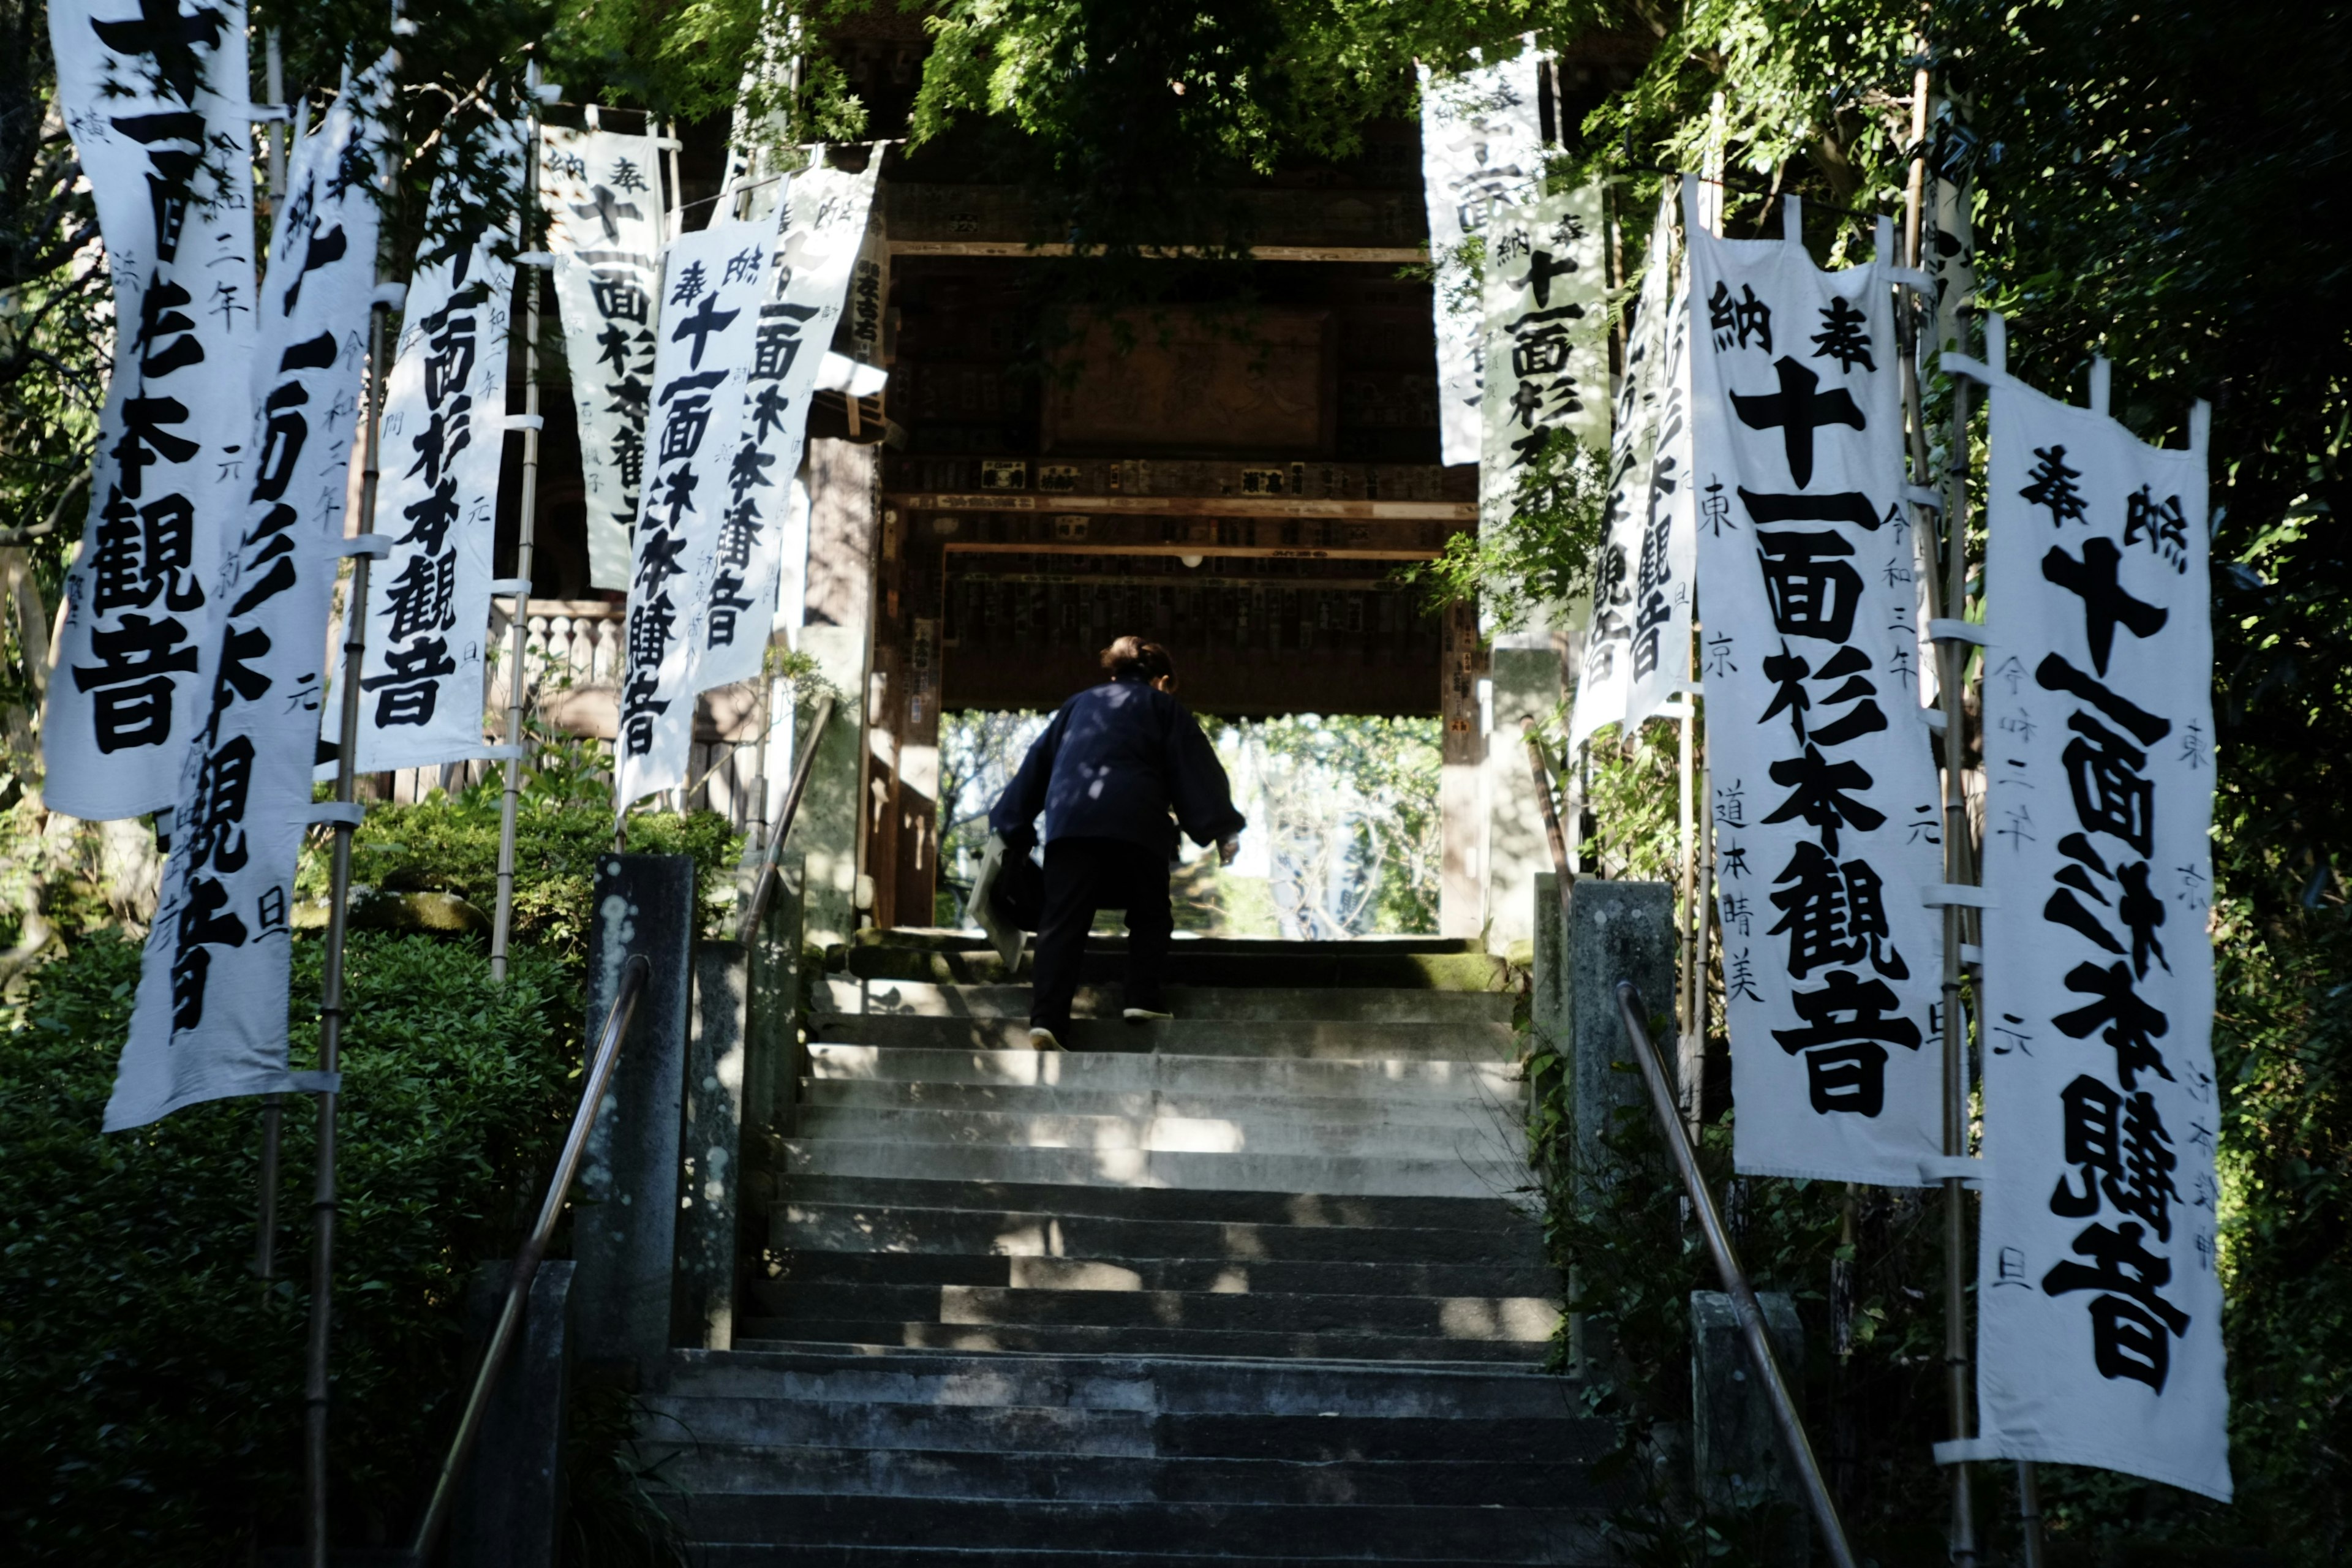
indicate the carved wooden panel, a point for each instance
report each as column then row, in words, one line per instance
column 1182, row 380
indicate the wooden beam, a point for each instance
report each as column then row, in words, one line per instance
column 1252, row 553
column 1340, row 223
column 1187, row 580
column 1017, row 251
column 1192, row 506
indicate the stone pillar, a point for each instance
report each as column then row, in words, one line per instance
column 773, row 1066
column 1616, row 931
column 1527, row 685
column 1548, row 998
column 1737, row 1460
column 625, row 1231
column 1461, row 746
column 844, row 483
column 509, row 1505
column 709, row 1206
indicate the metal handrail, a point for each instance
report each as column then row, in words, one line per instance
column 1735, row 1278
column 764, row 880
column 634, row 975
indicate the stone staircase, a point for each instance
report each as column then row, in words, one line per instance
column 1256, row 1286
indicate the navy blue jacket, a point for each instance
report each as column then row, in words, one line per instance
column 1115, row 761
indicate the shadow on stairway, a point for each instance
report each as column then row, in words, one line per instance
column 1260, row 1285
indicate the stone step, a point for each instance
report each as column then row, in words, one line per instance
column 1489, row 1239
column 962, row 938
column 796, row 1376
column 1383, row 1530
column 1027, row 1112
column 1407, row 971
column 737, row 1554
column 1032, row 1116
column 1490, row 1171
column 1200, row 1075
column 1321, row 1438
column 1484, row 1214
column 1096, row 1339
column 850, row 994
column 827, row 1471
column 1321, row 1039
column 885, row 1427
column 1355, row 1128
column 1520, row 1319
column 1123, row 1271
column 1492, row 1081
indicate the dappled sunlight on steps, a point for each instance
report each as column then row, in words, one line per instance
column 1260, row 1285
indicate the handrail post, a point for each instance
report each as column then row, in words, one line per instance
column 756, row 903
column 526, row 1262
column 1735, row 1278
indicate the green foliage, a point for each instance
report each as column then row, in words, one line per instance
column 2145, row 191
column 1128, row 112
column 1541, row 559
column 2282, row 1042
column 150, row 1389
column 1617, row 1230
column 1633, row 791
column 564, row 824
column 1349, row 810
column 979, row 752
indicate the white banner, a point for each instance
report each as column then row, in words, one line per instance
column 422, row 683
column 1547, row 339
column 1665, row 569
column 1951, row 246
column 601, row 193
column 1481, row 148
column 157, row 105
column 211, row 1016
column 824, row 224
column 1604, row 673
column 1824, row 793
column 712, row 283
column 2099, row 1309
column 869, row 286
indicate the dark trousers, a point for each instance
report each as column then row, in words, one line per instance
column 1082, row 876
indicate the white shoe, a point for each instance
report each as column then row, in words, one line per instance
column 1044, row 1040
column 1144, row 1015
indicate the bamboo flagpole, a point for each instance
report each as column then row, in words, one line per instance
column 1945, row 595
column 1948, row 601
column 1951, row 655
column 344, row 813
column 273, row 1106
column 529, row 266
column 1689, row 1041
column 1702, row 936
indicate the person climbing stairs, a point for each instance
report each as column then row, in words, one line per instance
column 1261, row 1283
